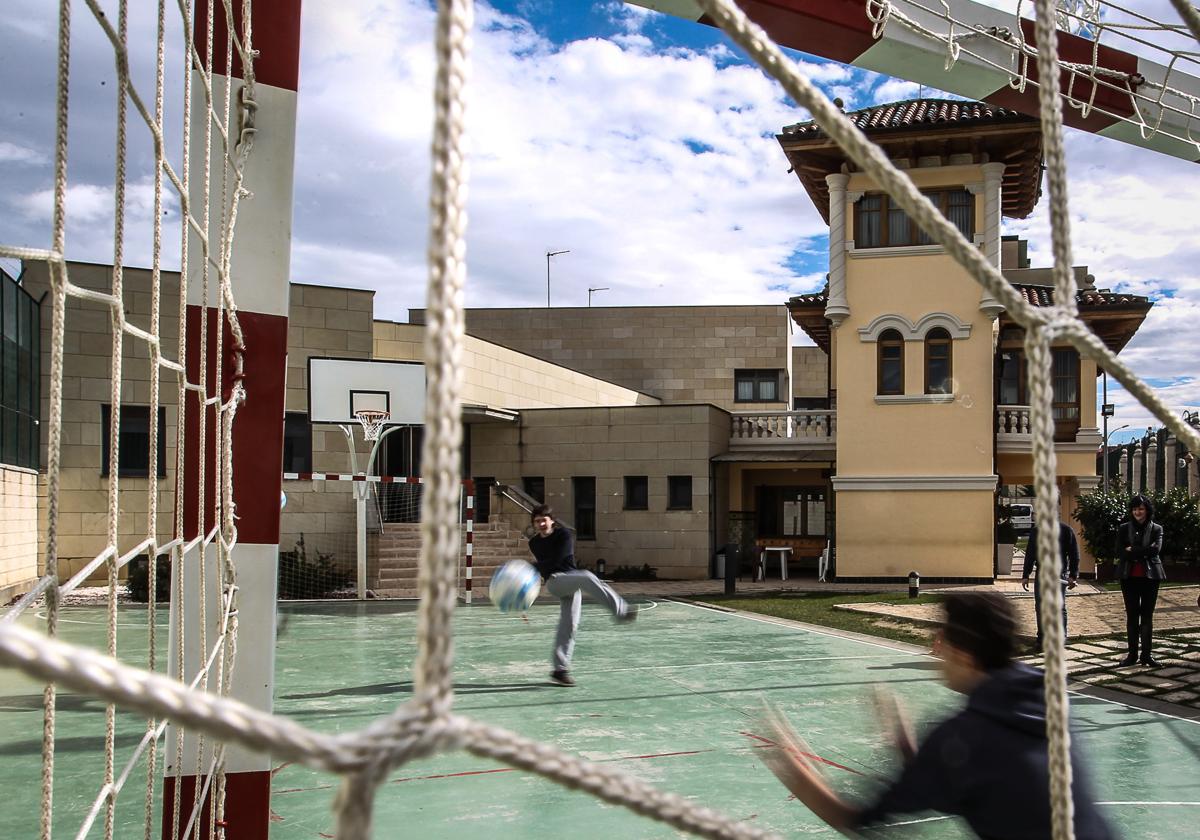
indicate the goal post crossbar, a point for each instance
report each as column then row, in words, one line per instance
column 977, row 51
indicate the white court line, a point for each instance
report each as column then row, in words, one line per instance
column 1141, row 802
column 745, row 662
column 819, row 632
column 806, row 629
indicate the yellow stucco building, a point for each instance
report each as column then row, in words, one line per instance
column 927, row 374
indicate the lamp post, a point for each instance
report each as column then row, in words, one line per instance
column 1105, row 454
column 595, row 289
column 550, row 254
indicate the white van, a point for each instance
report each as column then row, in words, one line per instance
column 1021, row 516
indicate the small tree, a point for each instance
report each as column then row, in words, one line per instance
column 1179, row 515
column 1100, row 515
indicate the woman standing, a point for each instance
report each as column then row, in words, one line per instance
column 1139, row 542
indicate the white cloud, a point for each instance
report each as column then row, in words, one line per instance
column 14, row 153
column 658, row 170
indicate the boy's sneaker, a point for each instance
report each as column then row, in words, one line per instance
column 561, row 678
column 629, row 616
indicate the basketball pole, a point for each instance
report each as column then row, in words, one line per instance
column 259, row 270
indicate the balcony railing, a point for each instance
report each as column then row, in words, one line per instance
column 1012, row 422
column 784, row 428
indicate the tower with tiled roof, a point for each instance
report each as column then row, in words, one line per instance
column 920, row 356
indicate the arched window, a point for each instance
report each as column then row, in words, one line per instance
column 890, row 354
column 939, row 362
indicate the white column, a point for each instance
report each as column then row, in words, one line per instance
column 1123, row 468
column 1135, row 480
column 1169, row 467
column 837, row 309
column 1151, row 464
column 993, row 174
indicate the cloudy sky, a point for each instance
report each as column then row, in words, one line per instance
column 641, row 143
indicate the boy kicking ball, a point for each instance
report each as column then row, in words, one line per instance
column 553, row 549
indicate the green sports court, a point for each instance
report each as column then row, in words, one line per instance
column 674, row 699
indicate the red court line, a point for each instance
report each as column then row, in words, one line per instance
column 494, row 770
column 763, row 742
column 767, row 742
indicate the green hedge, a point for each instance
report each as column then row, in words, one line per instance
column 1100, row 515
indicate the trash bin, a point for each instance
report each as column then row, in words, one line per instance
column 733, row 555
column 720, row 563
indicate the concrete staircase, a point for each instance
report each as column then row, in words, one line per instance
column 392, row 557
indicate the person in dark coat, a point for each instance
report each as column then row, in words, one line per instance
column 1140, row 570
column 1068, row 549
column 987, row 764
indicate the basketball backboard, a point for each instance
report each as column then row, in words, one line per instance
column 337, row 388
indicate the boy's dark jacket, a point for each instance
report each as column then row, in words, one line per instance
column 988, row 764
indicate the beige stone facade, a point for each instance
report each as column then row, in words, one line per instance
column 676, row 353
column 322, row 322
column 494, row 375
column 608, row 444
column 810, row 373
column 18, row 531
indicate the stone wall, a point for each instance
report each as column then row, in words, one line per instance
column 609, row 444
column 810, row 372
column 676, row 353
column 502, row 378
column 18, row 532
column 323, row 321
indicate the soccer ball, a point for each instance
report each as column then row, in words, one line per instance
column 515, row 586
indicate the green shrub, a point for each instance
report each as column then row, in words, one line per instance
column 646, row 572
column 1100, row 514
column 302, row 576
column 138, row 580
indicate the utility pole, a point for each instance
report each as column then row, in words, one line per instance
column 550, row 254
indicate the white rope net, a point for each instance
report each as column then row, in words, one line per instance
column 228, row 126
column 1158, row 106
column 427, row 724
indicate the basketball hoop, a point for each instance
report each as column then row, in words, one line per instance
column 372, row 422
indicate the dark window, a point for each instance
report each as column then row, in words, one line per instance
column 297, row 443
column 535, row 487
column 1012, row 380
column 756, row 386
column 890, row 350
column 1065, row 383
column 20, row 375
column 791, row 511
column 810, row 403
column 637, row 492
column 133, row 452
column 939, row 362
column 679, row 492
column 585, row 507
column 879, row 223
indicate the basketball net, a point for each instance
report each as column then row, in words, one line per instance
column 372, row 422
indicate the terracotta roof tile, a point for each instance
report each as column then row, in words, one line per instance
column 913, row 113
column 1044, row 296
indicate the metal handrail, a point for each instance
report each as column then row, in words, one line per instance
column 527, row 503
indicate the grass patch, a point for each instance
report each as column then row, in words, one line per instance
column 815, row 608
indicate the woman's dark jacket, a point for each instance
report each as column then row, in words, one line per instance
column 1145, row 544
